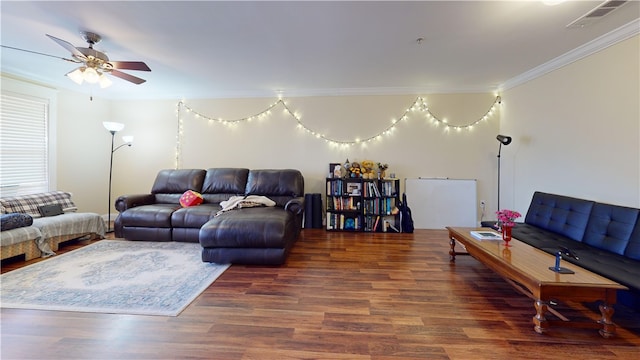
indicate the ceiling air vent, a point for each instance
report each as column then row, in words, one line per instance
column 596, row 14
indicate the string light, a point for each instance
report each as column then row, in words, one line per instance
column 419, row 104
column 179, row 135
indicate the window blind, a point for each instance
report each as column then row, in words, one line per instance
column 24, row 144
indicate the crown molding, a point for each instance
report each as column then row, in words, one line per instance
column 326, row 92
column 26, row 80
column 622, row 33
column 382, row 91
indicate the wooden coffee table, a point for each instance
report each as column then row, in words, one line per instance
column 527, row 269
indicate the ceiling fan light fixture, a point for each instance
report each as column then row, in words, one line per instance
column 76, row 75
column 104, row 81
column 90, row 75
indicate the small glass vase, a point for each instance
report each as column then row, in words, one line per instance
column 506, row 234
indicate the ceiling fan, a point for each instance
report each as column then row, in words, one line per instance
column 95, row 64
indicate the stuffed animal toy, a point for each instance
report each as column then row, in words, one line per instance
column 345, row 169
column 355, row 169
column 367, row 169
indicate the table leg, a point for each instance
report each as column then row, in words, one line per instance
column 608, row 327
column 452, row 252
column 539, row 321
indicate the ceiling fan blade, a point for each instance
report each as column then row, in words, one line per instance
column 130, row 65
column 39, row 53
column 67, row 45
column 124, row 76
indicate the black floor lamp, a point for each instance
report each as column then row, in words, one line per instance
column 113, row 128
column 504, row 140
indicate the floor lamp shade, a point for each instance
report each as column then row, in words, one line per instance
column 504, row 139
column 113, row 127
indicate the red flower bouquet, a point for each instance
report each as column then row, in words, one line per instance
column 507, row 217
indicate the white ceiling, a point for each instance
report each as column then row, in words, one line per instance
column 208, row 49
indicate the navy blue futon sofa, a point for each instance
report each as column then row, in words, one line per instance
column 605, row 238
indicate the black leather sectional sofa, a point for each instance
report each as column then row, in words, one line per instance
column 251, row 235
column 605, row 238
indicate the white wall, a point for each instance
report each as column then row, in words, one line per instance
column 576, row 131
column 416, row 148
column 83, row 147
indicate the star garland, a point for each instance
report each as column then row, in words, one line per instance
column 418, row 105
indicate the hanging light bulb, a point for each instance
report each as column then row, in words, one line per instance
column 76, row 75
column 90, row 75
column 104, row 81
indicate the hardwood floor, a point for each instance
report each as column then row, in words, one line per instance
column 339, row 296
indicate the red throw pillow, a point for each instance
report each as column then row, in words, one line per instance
column 190, row 198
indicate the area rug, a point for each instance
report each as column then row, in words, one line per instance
column 113, row 276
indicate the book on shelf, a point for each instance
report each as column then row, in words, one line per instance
column 375, row 225
column 335, row 187
column 337, row 221
column 372, row 189
column 486, row 235
column 388, row 188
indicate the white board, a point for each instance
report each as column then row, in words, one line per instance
column 438, row 202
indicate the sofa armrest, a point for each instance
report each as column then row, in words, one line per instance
column 295, row 205
column 125, row 202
